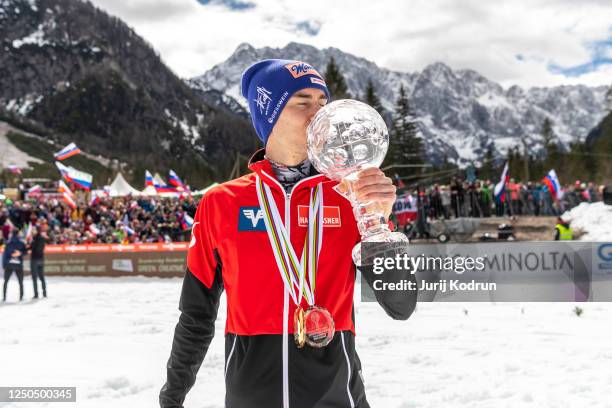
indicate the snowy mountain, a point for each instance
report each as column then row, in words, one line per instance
column 460, row 112
column 73, row 73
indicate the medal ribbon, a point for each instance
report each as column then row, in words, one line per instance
column 294, row 271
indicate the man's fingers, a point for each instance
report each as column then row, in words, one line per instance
column 370, row 190
column 369, row 172
column 370, row 180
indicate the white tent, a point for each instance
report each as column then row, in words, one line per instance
column 119, row 187
column 158, row 180
column 150, row 191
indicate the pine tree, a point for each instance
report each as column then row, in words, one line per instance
column 335, row 81
column 548, row 135
column 487, row 168
column 406, row 145
column 550, row 144
column 372, row 99
column 608, row 99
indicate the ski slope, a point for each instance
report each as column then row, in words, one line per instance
column 111, row 337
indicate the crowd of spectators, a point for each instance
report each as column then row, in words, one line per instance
column 110, row 220
column 477, row 199
column 145, row 219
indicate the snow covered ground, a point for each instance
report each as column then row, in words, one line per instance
column 11, row 154
column 111, row 337
column 595, row 219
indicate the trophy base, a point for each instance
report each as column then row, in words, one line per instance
column 381, row 238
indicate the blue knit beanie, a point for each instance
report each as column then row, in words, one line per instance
column 267, row 85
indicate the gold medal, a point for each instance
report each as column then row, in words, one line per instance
column 319, row 326
column 299, row 332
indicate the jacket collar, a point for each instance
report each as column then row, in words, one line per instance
column 262, row 167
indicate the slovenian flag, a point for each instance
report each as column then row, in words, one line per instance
column 67, row 152
column 175, row 180
column 500, row 188
column 69, row 200
column 67, row 194
column 187, row 222
column 63, row 187
column 72, row 175
column 35, row 189
column 165, row 188
column 148, row 179
column 552, row 182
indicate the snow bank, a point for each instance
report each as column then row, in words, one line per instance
column 595, row 219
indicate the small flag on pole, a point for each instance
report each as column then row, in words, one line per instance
column 165, row 188
column 63, row 187
column 552, row 182
column 35, row 189
column 500, row 188
column 148, row 178
column 72, row 175
column 175, row 180
column 187, row 222
column 67, row 152
column 69, row 200
column 67, row 194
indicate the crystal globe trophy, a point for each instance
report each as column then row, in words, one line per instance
column 345, row 137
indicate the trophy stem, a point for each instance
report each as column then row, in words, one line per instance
column 370, row 216
column 370, row 219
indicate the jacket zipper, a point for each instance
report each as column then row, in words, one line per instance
column 286, row 293
column 286, row 312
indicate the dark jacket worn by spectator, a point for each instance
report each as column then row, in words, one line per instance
column 14, row 244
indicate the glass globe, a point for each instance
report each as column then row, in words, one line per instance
column 343, row 138
column 346, row 136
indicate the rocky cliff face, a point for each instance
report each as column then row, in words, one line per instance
column 460, row 112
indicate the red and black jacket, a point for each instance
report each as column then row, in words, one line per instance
column 230, row 250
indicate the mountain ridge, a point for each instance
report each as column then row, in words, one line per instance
column 461, row 113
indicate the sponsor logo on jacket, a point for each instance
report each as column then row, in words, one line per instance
column 331, row 216
column 251, row 219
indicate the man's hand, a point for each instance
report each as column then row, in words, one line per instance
column 373, row 185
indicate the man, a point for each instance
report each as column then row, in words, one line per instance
column 231, row 248
column 514, row 197
column 12, row 261
column 37, row 261
column 563, row 231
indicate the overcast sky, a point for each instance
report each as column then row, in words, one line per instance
column 528, row 43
